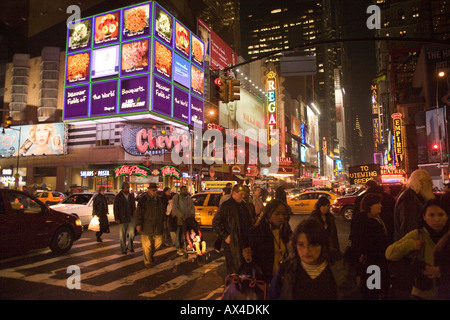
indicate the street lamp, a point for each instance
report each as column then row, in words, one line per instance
column 440, row 74
column 16, row 176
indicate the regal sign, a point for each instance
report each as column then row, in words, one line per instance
column 128, row 170
column 272, row 107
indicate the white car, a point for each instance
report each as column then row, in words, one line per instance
column 81, row 204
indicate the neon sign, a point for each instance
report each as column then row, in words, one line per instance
column 272, row 106
column 170, row 171
column 398, row 137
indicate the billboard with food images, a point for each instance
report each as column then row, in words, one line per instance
column 134, row 60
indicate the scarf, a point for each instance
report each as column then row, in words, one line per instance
column 314, row 270
column 435, row 235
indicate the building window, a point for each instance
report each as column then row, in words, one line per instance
column 105, row 134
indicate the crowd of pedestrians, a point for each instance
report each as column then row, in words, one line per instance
column 399, row 247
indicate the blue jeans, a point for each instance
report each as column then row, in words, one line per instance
column 126, row 228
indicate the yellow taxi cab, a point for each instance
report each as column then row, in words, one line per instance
column 50, row 197
column 304, row 202
column 206, row 204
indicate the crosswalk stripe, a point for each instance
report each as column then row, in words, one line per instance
column 59, row 276
column 60, row 258
column 183, row 279
column 217, row 292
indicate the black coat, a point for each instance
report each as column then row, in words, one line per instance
column 387, row 209
column 262, row 244
column 335, row 250
column 233, row 219
column 123, row 208
column 100, row 209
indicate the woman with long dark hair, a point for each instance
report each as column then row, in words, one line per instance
column 322, row 214
column 270, row 237
column 421, row 243
column 306, row 274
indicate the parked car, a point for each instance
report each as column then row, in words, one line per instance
column 206, row 205
column 304, row 202
column 344, row 205
column 81, row 204
column 50, row 197
column 26, row 223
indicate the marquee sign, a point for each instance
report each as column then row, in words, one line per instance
column 398, row 136
column 272, row 107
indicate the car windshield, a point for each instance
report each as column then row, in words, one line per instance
column 78, row 199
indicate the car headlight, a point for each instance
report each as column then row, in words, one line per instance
column 78, row 222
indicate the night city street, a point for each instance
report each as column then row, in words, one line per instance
column 310, row 136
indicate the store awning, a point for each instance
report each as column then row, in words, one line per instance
column 239, row 176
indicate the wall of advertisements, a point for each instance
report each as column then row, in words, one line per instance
column 134, row 60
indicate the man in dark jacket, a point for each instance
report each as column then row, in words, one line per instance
column 124, row 206
column 149, row 219
column 233, row 222
column 100, row 209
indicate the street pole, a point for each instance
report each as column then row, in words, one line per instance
column 439, row 75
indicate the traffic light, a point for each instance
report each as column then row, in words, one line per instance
column 7, row 122
column 234, row 90
column 435, row 149
column 223, row 89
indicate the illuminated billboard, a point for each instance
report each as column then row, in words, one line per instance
column 134, row 60
column 40, row 139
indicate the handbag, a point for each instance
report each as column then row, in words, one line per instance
column 94, row 225
column 244, row 284
column 420, row 281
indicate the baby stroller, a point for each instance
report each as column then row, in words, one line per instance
column 194, row 241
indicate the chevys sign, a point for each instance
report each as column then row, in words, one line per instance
column 141, row 141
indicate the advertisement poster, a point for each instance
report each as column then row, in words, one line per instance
column 35, row 140
column 180, row 104
column 76, row 102
column 163, row 25
column 136, row 21
column 135, row 57
column 106, row 28
column 104, row 98
column 181, row 70
column 434, row 123
column 78, row 68
column 197, row 108
column 197, row 81
column 182, row 39
column 221, row 54
column 134, row 95
column 80, row 35
column 105, row 62
column 198, row 51
column 162, row 96
column 246, row 113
